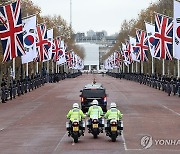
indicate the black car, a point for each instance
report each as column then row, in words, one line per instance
column 91, row 92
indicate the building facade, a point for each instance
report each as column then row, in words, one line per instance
column 96, row 45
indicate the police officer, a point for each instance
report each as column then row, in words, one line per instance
column 3, row 89
column 76, row 114
column 95, row 111
column 113, row 113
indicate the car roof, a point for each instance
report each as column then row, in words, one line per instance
column 92, row 86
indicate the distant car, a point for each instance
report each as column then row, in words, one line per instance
column 91, row 92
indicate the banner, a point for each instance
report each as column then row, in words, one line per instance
column 150, row 29
column 50, row 39
column 11, row 31
column 133, row 44
column 62, row 57
column 163, row 36
column 176, row 31
column 29, row 39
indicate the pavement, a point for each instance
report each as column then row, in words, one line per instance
column 35, row 122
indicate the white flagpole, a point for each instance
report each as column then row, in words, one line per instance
column 37, row 67
column 142, row 67
column 163, row 73
column 56, row 67
column 48, row 66
column 52, row 67
column 132, row 71
column 152, row 65
column 178, row 68
column 27, row 71
column 14, row 62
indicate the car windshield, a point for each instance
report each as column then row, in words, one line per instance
column 93, row 93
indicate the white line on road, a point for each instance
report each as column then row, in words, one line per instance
column 125, row 147
column 60, row 142
column 171, row 110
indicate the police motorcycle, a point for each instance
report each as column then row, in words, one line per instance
column 75, row 129
column 113, row 128
column 95, row 126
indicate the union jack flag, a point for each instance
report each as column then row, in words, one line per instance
column 141, row 47
column 163, row 37
column 42, row 43
column 11, row 31
column 56, row 49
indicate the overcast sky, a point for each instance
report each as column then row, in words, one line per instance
column 94, row 15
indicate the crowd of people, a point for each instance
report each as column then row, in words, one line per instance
column 11, row 89
column 171, row 85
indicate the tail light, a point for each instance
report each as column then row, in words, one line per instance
column 113, row 123
column 75, row 123
column 94, row 120
column 105, row 99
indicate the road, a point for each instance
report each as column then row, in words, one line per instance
column 35, row 122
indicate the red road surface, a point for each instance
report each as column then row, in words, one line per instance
column 35, row 122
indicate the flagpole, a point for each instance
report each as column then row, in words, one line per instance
column 142, row 67
column 27, row 71
column 37, row 68
column 52, row 67
column 178, row 68
column 48, row 66
column 152, row 65
column 14, row 74
column 132, row 71
column 163, row 73
column 56, row 67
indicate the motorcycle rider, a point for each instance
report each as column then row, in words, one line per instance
column 113, row 113
column 95, row 111
column 76, row 114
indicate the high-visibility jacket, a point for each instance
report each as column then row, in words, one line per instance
column 113, row 113
column 95, row 111
column 75, row 114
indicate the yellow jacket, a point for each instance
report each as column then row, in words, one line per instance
column 75, row 114
column 113, row 113
column 95, row 111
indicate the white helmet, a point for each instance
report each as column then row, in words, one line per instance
column 94, row 102
column 113, row 105
column 75, row 105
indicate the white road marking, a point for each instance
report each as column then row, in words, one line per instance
column 171, row 110
column 125, row 147
column 60, row 142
